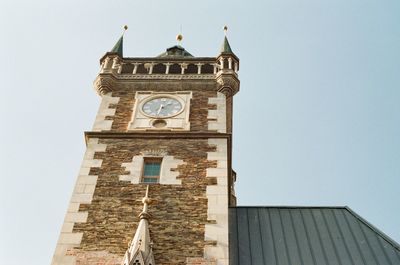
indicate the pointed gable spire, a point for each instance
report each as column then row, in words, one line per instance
column 226, row 48
column 140, row 251
column 118, row 47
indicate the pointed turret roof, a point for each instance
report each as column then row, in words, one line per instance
column 226, row 48
column 118, row 47
column 140, row 250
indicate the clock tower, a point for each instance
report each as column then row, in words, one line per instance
column 156, row 180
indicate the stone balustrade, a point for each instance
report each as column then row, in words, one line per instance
column 117, row 65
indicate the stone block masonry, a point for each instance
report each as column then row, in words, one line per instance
column 106, row 222
column 189, row 210
column 217, row 196
column 82, row 194
column 168, row 174
column 217, row 117
column 199, row 104
column 106, row 110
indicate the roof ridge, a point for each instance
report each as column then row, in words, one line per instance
column 387, row 238
column 290, row 206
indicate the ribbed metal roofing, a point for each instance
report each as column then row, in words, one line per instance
column 306, row 236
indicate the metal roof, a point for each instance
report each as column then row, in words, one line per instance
column 118, row 47
column 306, row 236
column 226, row 48
column 175, row 51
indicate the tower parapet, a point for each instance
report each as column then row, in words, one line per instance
column 174, row 64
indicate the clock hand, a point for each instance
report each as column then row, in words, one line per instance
column 160, row 108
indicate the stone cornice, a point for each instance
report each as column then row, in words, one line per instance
column 156, row 135
column 232, row 55
column 169, row 59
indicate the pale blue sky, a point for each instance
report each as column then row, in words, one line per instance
column 317, row 120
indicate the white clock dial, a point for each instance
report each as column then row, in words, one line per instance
column 162, row 107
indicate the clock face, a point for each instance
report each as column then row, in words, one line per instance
column 162, row 107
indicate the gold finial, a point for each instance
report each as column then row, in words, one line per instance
column 225, row 29
column 146, row 199
column 125, row 29
column 179, row 38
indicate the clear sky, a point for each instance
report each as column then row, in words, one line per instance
column 317, row 120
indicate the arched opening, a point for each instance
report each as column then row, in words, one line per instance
column 207, row 69
column 175, row 69
column 127, row 68
column 159, row 69
column 141, row 69
column 191, row 69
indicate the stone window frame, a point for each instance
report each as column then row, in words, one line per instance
column 168, row 176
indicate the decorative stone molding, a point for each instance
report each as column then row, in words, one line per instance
column 104, row 83
column 83, row 194
column 167, row 76
column 149, row 67
column 178, row 122
column 199, row 65
column 217, row 196
column 101, row 124
column 228, row 82
column 154, row 152
column 217, row 117
column 167, row 175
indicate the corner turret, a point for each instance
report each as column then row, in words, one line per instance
column 228, row 68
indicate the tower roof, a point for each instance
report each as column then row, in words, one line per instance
column 175, row 52
column 118, row 47
column 226, row 48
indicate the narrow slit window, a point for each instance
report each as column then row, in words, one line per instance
column 151, row 170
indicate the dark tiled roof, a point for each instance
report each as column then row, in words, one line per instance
column 175, row 51
column 306, row 236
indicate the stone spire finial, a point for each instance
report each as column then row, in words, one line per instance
column 146, row 200
column 140, row 250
